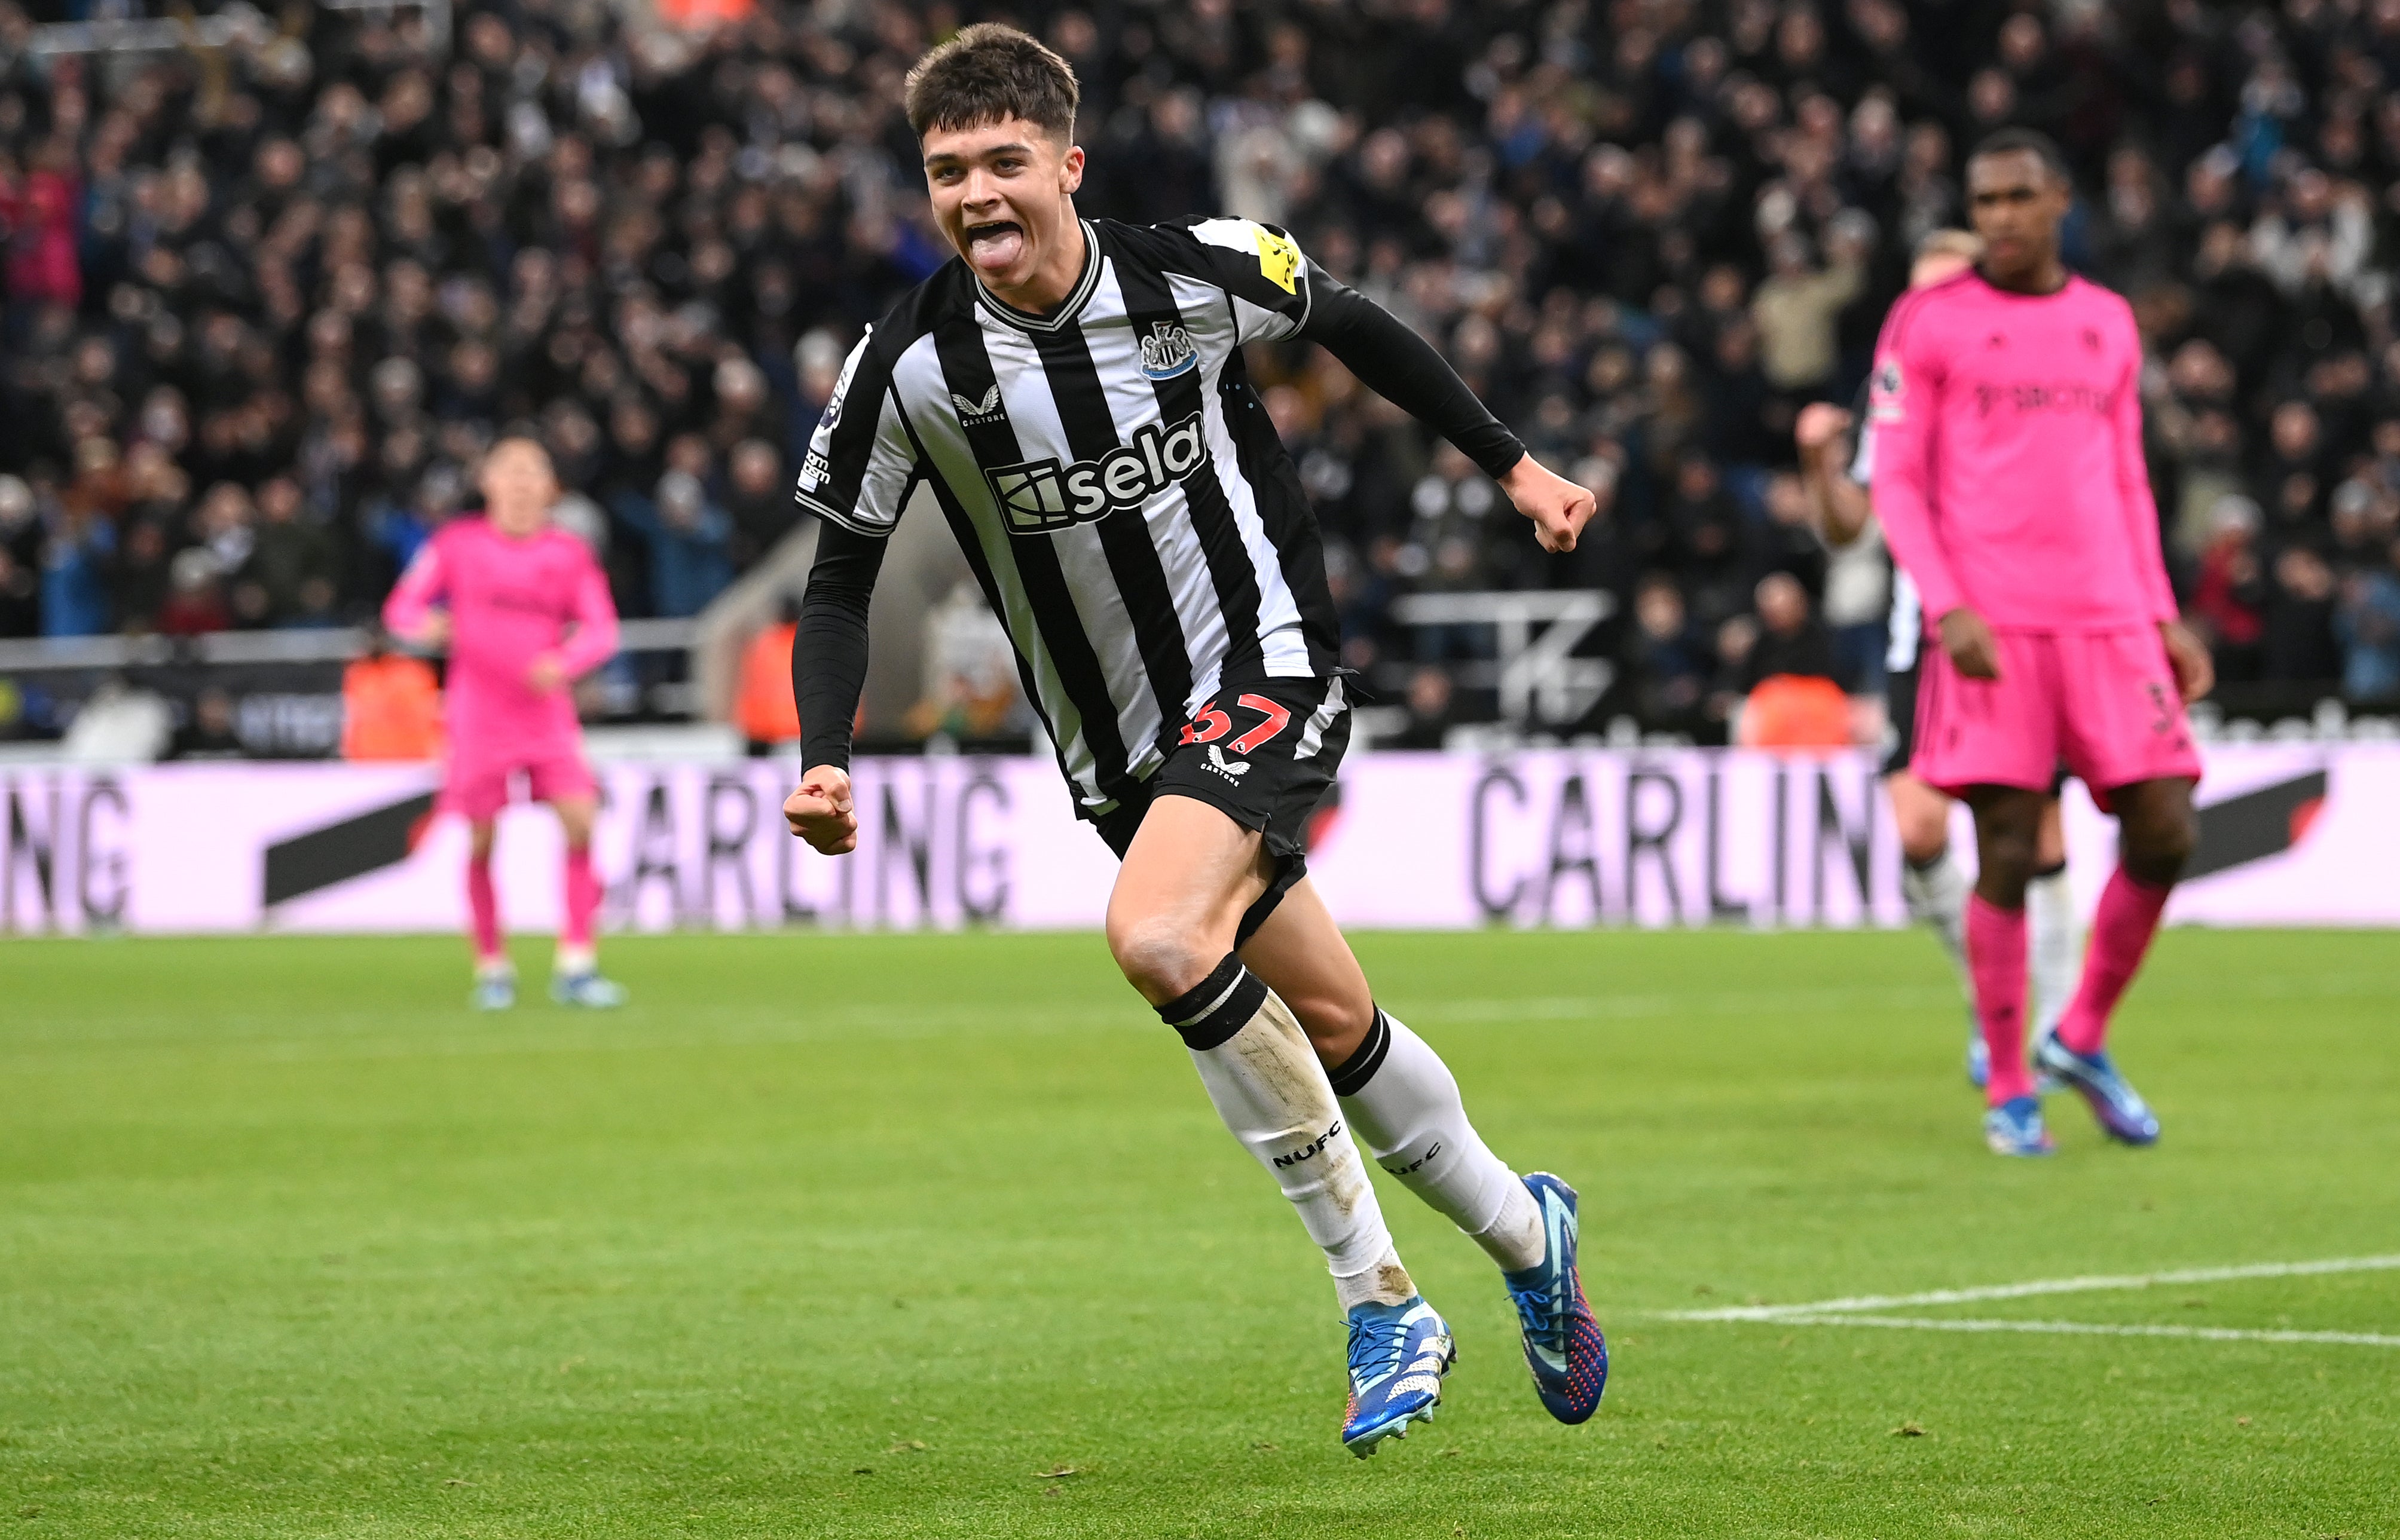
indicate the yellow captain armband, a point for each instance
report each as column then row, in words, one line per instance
column 1278, row 259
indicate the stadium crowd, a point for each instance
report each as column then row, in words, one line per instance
column 264, row 304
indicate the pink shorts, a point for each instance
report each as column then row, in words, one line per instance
column 476, row 786
column 2103, row 702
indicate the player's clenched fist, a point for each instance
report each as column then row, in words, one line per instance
column 821, row 813
column 1558, row 508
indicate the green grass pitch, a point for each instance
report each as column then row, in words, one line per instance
column 892, row 1235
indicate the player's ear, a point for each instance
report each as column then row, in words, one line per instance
column 1071, row 169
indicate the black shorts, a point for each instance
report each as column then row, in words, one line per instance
column 1899, row 705
column 1263, row 754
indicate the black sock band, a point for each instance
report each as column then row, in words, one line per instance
column 1360, row 1067
column 1217, row 1007
column 2051, row 870
column 1929, row 862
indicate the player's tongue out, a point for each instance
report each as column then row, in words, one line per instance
column 994, row 248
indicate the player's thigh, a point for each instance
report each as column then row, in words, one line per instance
column 1187, row 875
column 1989, row 732
column 475, row 786
column 1304, row 959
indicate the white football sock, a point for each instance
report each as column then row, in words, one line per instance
column 1267, row 1084
column 1936, row 893
column 2057, row 953
column 1404, row 1103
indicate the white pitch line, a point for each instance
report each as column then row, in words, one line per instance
column 2090, row 1329
column 2043, row 1286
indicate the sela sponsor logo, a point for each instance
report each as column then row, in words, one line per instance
column 1036, row 496
column 2041, row 396
column 1167, row 352
column 975, row 413
column 1232, row 769
column 1311, row 1150
column 1415, row 1165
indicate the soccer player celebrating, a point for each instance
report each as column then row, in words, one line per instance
column 2010, row 482
column 1072, row 393
column 1931, row 879
column 525, row 611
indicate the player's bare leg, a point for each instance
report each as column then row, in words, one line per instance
column 1189, row 875
column 2157, row 830
column 496, row 977
column 1404, row 1104
column 575, row 973
column 2008, row 829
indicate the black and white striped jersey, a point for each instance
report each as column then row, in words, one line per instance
column 1109, row 474
column 1905, row 628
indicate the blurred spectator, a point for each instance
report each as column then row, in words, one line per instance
column 1790, row 639
column 2229, row 600
column 1796, row 305
column 1667, row 664
column 2298, row 642
column 210, row 732
column 688, row 537
column 21, row 560
column 2367, row 625
column 1430, row 702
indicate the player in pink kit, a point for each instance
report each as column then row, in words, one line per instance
column 2011, row 484
column 526, row 612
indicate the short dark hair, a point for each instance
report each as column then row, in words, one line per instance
column 2031, row 141
column 988, row 74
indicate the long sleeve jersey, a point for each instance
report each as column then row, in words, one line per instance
column 511, row 602
column 2008, row 475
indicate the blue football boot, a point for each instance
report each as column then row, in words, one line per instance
column 2123, row 1115
column 587, row 991
column 1563, row 1345
column 1398, row 1354
column 494, row 991
column 2014, row 1127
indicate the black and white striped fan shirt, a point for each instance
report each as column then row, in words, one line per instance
column 1111, row 478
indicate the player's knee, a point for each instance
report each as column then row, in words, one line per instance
column 1158, row 956
column 1335, row 1022
column 2158, row 847
column 1924, row 833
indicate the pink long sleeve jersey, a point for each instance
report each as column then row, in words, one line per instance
column 511, row 602
column 2009, row 474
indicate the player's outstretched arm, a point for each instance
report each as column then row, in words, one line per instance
column 1409, row 371
column 828, row 672
column 1839, row 504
